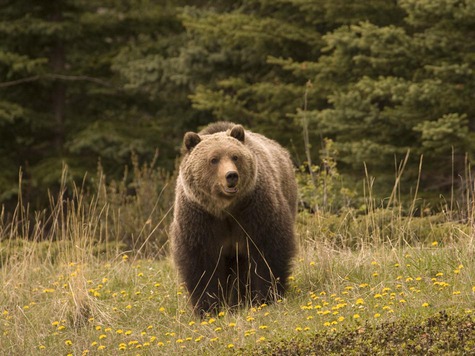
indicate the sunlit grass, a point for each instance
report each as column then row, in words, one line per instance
column 121, row 304
column 72, row 288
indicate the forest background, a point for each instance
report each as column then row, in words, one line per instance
column 353, row 89
column 375, row 101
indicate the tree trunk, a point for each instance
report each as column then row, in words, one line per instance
column 58, row 63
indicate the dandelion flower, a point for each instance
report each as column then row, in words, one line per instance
column 249, row 332
column 425, row 305
column 356, row 316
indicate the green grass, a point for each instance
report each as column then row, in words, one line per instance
column 82, row 301
column 382, row 282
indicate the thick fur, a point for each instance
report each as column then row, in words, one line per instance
column 233, row 243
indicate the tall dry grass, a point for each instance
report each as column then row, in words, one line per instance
column 78, row 279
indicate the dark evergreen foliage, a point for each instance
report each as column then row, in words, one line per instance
column 87, row 80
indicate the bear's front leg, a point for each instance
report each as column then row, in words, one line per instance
column 202, row 273
column 267, row 279
column 271, row 248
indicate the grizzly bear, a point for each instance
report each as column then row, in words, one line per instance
column 232, row 235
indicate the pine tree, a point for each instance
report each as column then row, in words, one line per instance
column 263, row 63
column 75, row 87
column 230, row 52
column 395, row 89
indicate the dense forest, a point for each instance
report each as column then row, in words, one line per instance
column 364, row 87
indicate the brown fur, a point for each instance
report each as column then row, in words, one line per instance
column 233, row 228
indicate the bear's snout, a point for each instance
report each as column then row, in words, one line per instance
column 232, row 178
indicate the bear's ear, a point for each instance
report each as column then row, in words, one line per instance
column 237, row 132
column 191, row 139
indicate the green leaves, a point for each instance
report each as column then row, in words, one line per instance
column 451, row 130
column 9, row 112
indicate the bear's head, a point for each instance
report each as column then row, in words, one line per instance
column 218, row 169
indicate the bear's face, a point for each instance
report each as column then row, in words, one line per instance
column 217, row 169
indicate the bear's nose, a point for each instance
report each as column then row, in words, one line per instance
column 232, row 178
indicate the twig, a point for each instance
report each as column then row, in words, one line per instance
column 58, row 77
column 306, row 136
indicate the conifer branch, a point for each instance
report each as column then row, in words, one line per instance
column 19, row 81
column 57, row 77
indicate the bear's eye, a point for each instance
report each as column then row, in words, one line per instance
column 234, row 158
column 214, row 160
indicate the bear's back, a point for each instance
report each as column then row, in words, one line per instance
column 215, row 127
column 275, row 159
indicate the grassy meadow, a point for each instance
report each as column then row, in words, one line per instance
column 382, row 282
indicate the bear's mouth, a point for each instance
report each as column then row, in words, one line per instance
column 230, row 190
